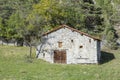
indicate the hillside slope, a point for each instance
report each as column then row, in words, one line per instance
column 16, row 65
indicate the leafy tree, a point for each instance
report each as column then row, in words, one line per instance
column 28, row 19
column 1, row 28
column 18, row 27
column 14, row 24
column 33, row 32
column 111, row 40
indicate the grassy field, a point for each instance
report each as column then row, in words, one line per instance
column 15, row 65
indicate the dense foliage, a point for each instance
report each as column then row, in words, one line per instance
column 28, row 19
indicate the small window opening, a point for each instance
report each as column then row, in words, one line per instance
column 81, row 34
column 89, row 40
column 59, row 44
column 81, row 46
column 72, row 40
column 43, row 55
column 94, row 39
column 72, row 30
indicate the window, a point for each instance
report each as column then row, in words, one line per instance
column 43, row 55
column 59, row 44
column 81, row 34
column 72, row 40
column 89, row 40
column 81, row 46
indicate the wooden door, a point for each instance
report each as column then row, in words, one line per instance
column 59, row 56
column 63, row 56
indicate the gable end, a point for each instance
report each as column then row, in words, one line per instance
column 65, row 26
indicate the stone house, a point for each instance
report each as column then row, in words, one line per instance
column 70, row 46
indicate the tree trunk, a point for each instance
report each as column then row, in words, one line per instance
column 39, row 50
column 14, row 43
column 7, row 42
column 30, row 51
column 2, row 42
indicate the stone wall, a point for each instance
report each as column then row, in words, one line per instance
column 8, row 42
column 12, row 42
column 79, row 48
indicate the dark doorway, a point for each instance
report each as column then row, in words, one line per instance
column 59, row 56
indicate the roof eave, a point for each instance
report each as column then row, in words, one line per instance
column 65, row 26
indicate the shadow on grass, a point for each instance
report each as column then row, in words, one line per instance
column 106, row 57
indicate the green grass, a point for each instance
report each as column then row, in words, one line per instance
column 15, row 65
